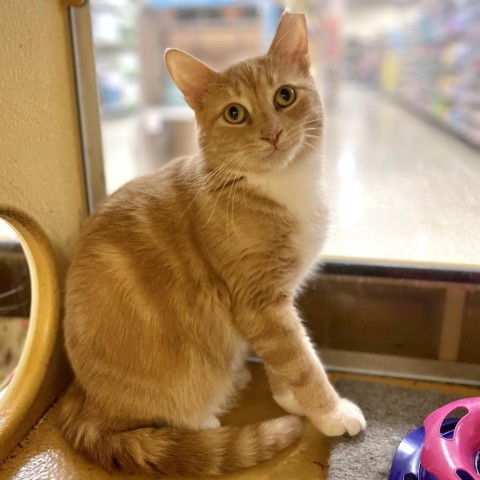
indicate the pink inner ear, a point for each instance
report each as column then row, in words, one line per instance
column 190, row 75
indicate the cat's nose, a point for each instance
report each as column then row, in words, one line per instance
column 272, row 136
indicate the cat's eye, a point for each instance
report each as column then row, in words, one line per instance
column 285, row 96
column 235, row 113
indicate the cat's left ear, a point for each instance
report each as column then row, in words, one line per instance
column 190, row 75
column 291, row 39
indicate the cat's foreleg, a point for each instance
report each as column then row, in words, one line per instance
column 277, row 335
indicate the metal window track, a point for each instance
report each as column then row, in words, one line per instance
column 401, row 367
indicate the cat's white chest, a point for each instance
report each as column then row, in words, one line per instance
column 299, row 189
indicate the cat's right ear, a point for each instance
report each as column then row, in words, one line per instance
column 291, row 39
column 189, row 74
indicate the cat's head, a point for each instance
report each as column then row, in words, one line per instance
column 260, row 114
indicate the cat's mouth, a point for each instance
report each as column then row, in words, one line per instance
column 277, row 150
column 277, row 156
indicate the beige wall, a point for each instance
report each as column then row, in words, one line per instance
column 40, row 156
column 41, row 177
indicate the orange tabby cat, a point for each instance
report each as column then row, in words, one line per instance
column 179, row 272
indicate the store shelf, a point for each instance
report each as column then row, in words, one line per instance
column 457, row 129
column 431, row 64
column 438, row 71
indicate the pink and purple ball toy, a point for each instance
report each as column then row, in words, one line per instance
column 444, row 448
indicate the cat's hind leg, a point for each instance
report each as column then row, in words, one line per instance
column 283, row 396
column 210, row 421
column 225, row 397
column 241, row 377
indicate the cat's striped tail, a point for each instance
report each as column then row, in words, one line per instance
column 167, row 451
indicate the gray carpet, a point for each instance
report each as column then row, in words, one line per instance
column 391, row 412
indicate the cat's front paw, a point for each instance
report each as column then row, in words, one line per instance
column 346, row 417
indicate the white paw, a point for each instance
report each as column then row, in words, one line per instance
column 345, row 418
column 288, row 402
column 243, row 378
column 210, row 422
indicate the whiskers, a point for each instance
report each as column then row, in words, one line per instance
column 311, row 135
column 209, row 178
column 313, row 120
column 238, row 165
column 220, row 185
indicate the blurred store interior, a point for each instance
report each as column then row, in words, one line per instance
column 400, row 81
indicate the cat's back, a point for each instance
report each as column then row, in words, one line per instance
column 138, row 231
column 159, row 190
column 150, row 202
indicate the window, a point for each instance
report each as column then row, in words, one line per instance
column 399, row 79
